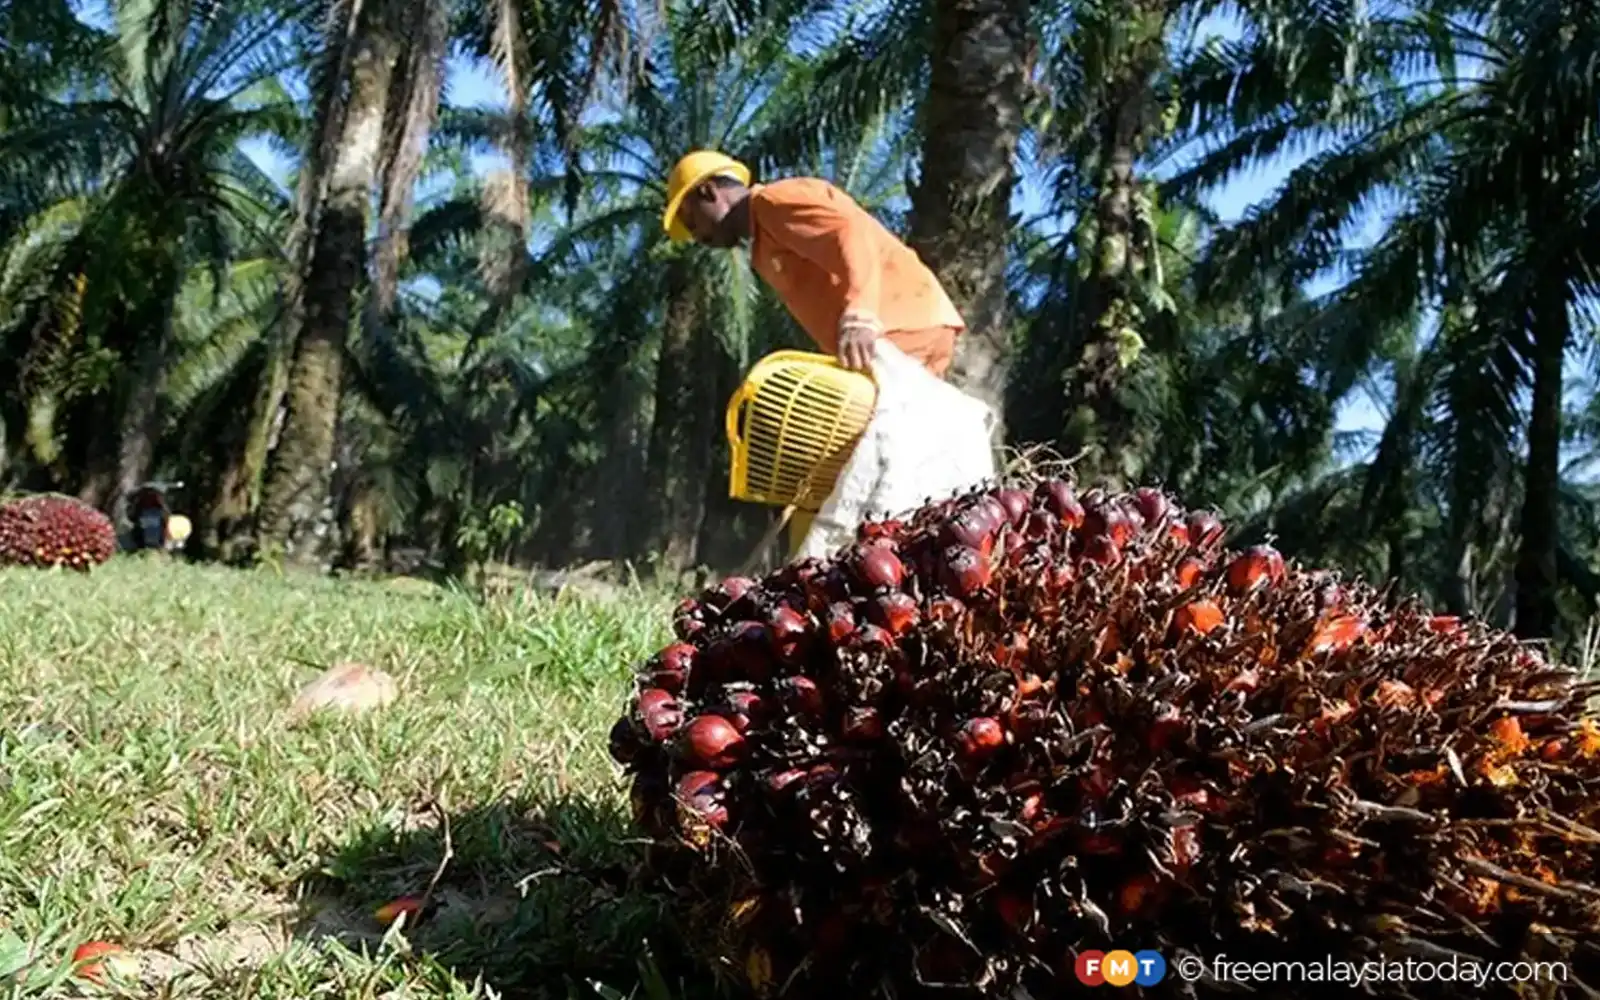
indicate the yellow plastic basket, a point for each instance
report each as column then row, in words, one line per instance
column 792, row 426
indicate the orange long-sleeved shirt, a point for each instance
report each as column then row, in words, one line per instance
column 823, row 254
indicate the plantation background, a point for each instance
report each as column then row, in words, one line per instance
column 385, row 287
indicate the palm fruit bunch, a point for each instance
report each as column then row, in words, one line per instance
column 1021, row 725
column 49, row 531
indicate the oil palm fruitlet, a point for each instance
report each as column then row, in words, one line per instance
column 1024, row 724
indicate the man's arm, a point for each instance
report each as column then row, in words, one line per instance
column 815, row 222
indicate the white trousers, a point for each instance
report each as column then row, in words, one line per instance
column 927, row 440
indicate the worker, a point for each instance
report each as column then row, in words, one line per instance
column 845, row 278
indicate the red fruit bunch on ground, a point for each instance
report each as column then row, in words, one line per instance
column 1025, row 723
column 49, row 531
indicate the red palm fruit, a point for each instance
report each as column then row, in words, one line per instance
column 787, row 631
column 1038, row 526
column 815, row 590
column 872, row 530
column 1336, row 632
column 1152, row 503
column 700, row 796
column 1060, row 501
column 408, row 906
column 841, row 622
column 965, row 573
column 1204, row 528
column 779, row 782
column 895, row 612
column 1199, row 616
column 1189, row 572
column 1257, row 566
column 1507, row 732
column 1167, row 730
column 968, row 527
column 801, row 695
column 1015, row 503
column 945, row 609
column 1444, row 624
column 872, row 637
column 729, row 591
column 670, row 667
column 980, row 737
column 879, row 569
column 92, row 958
column 660, row 713
column 712, row 741
column 1109, row 521
column 1102, row 550
column 1011, row 652
column 992, row 511
column 743, row 708
column 1123, row 522
column 688, row 619
column 805, row 570
column 862, row 724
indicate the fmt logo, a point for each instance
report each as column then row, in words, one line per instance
column 1119, row 968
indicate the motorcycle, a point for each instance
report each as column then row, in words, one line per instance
column 152, row 520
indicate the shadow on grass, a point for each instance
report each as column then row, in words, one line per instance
column 537, row 900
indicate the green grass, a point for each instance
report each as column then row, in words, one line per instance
column 154, row 793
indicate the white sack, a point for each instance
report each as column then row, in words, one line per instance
column 926, row 440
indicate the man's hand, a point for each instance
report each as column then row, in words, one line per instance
column 857, row 332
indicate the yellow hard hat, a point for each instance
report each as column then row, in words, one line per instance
column 178, row 528
column 689, row 172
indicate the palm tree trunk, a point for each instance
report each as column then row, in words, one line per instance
column 412, row 108
column 620, row 470
column 961, row 204
column 239, row 488
column 410, row 112
column 506, row 204
column 141, row 425
column 1395, row 563
column 298, row 476
column 141, row 419
column 1536, row 555
column 728, row 528
column 1101, row 426
column 669, row 525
